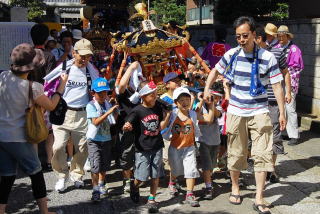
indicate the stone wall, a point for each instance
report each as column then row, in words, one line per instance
column 307, row 37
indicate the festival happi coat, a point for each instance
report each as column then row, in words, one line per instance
column 156, row 50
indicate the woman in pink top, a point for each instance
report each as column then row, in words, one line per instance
column 295, row 66
column 215, row 50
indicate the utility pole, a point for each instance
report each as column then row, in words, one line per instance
column 148, row 8
column 200, row 14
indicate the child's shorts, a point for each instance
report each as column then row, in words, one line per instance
column 223, row 140
column 148, row 164
column 126, row 144
column 208, row 156
column 183, row 162
column 99, row 155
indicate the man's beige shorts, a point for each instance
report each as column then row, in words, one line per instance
column 259, row 129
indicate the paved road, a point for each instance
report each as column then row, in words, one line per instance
column 298, row 191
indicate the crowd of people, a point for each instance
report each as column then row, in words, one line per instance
column 230, row 118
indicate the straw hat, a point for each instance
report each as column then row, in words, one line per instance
column 271, row 29
column 283, row 29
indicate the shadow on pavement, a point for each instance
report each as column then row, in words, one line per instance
column 125, row 205
column 285, row 169
column 21, row 199
column 288, row 199
column 305, row 136
column 201, row 212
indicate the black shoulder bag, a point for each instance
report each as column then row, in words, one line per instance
column 58, row 115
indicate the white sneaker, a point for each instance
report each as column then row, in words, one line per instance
column 87, row 166
column 69, row 161
column 61, row 185
column 77, row 183
column 126, row 186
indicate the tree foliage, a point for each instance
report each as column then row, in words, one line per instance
column 281, row 13
column 35, row 8
column 169, row 10
column 226, row 11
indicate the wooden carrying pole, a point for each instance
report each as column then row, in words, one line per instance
column 108, row 70
column 123, row 65
column 198, row 57
column 184, row 67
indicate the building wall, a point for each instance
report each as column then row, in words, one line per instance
column 300, row 9
column 191, row 4
column 307, row 37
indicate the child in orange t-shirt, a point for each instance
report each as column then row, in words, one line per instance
column 182, row 131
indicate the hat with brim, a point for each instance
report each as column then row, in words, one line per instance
column 25, row 58
column 85, row 52
column 283, row 29
column 77, row 34
column 84, row 47
column 100, row 84
column 179, row 91
column 271, row 29
column 170, row 76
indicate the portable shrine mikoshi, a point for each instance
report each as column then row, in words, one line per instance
column 155, row 49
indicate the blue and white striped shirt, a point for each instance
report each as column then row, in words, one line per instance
column 241, row 102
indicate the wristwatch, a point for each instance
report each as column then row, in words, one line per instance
column 60, row 95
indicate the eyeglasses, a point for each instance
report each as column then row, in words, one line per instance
column 244, row 36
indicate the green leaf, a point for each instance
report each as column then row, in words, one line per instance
column 35, row 8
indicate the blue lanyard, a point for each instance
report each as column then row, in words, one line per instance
column 229, row 71
column 256, row 87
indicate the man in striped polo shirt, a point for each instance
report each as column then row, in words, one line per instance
column 252, row 70
column 261, row 40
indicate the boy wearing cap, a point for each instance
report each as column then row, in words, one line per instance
column 172, row 82
column 100, row 117
column 182, row 131
column 147, row 120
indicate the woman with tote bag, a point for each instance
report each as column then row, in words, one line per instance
column 14, row 101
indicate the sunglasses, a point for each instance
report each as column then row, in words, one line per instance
column 244, row 36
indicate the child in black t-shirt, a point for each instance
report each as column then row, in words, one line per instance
column 125, row 140
column 147, row 120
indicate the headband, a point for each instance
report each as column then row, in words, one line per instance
column 147, row 89
column 216, row 93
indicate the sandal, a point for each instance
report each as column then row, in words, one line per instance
column 256, row 208
column 236, row 197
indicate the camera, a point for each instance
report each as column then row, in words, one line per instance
column 164, row 105
column 198, row 76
